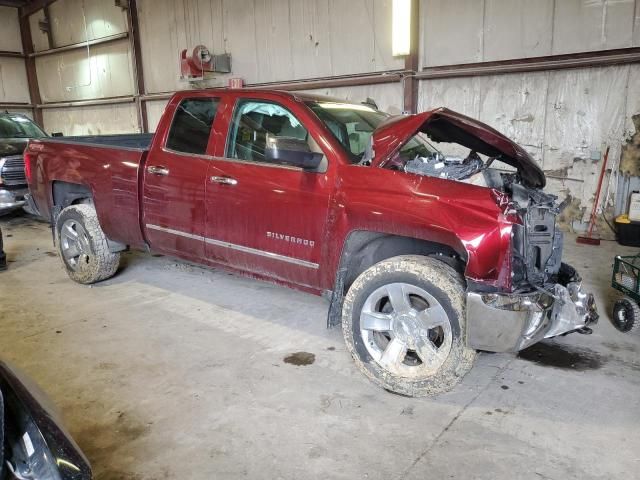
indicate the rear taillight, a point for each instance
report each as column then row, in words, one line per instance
column 27, row 166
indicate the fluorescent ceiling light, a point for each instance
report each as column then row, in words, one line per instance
column 401, row 28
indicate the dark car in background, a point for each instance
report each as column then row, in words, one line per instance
column 33, row 443
column 15, row 131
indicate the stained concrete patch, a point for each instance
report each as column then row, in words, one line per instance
column 549, row 354
column 101, row 442
column 300, row 358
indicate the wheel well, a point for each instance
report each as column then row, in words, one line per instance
column 364, row 249
column 65, row 194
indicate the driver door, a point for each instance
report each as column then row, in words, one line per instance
column 263, row 216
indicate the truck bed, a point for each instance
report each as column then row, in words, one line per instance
column 133, row 141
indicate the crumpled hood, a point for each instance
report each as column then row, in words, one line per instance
column 12, row 146
column 444, row 125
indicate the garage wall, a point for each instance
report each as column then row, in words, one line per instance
column 564, row 118
column 387, row 96
column 269, row 40
column 469, row 31
column 92, row 120
column 13, row 75
column 102, row 71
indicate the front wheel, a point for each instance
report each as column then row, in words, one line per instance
column 404, row 323
column 83, row 246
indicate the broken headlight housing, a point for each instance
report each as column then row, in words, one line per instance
column 36, row 445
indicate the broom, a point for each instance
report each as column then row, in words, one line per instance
column 589, row 239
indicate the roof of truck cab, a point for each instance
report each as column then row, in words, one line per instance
column 295, row 95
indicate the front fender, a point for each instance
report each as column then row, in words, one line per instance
column 464, row 217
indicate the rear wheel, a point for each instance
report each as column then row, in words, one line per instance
column 404, row 324
column 626, row 315
column 83, row 246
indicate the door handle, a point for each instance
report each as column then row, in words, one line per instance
column 158, row 170
column 224, row 180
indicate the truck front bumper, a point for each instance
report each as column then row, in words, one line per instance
column 510, row 322
column 11, row 199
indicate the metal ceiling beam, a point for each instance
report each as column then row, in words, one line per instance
column 89, row 103
column 12, row 3
column 6, row 54
column 29, row 8
column 333, row 82
column 77, row 46
column 599, row 58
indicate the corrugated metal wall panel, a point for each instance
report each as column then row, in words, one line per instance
column 452, row 31
column 13, row 81
column 388, row 97
column 311, row 53
column 584, row 25
column 468, row 31
column 268, row 40
column 94, row 120
column 13, row 75
column 75, row 21
column 562, row 118
column 515, row 105
column 636, row 26
column 517, row 29
column 72, row 75
column 154, row 112
column 9, row 30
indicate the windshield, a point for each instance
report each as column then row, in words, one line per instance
column 353, row 125
column 19, row 126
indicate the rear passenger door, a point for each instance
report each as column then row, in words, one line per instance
column 175, row 178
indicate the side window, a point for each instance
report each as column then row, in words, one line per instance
column 254, row 122
column 191, row 126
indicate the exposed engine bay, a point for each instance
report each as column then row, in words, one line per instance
column 537, row 242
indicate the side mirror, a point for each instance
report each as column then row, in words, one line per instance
column 57, row 134
column 291, row 151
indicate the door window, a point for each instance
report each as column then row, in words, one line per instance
column 254, row 122
column 191, row 126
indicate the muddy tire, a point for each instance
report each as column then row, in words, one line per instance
column 626, row 316
column 403, row 320
column 82, row 245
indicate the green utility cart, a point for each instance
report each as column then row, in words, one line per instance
column 626, row 279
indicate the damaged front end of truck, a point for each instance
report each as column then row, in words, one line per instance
column 538, row 295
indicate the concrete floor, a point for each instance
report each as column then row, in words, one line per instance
column 170, row 370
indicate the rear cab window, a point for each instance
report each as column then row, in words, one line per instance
column 191, row 125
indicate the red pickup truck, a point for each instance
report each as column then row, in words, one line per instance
column 425, row 256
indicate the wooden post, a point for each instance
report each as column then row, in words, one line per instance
column 30, row 64
column 412, row 62
column 134, row 38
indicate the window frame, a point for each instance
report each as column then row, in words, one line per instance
column 166, row 148
column 236, row 104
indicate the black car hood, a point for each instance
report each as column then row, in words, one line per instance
column 12, row 146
